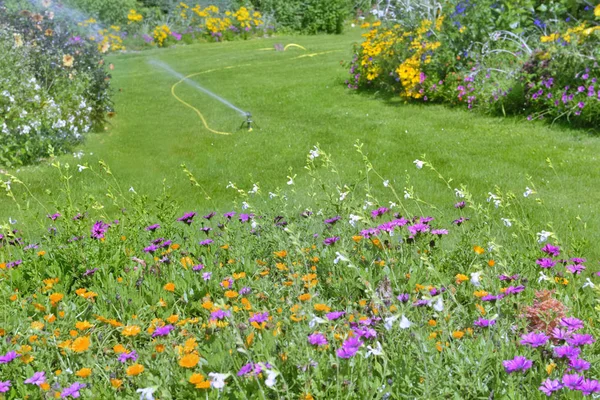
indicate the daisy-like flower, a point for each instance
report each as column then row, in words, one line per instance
column 68, row 60
column 519, row 363
column 317, row 339
column 349, row 348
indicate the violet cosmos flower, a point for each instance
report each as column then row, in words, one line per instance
column 331, row 240
column 163, row 330
column 209, row 215
column 151, row 249
column 589, row 386
column 403, row 297
column 99, row 230
column 580, row 339
column 245, row 217
column 187, row 218
column 229, row 214
column 578, row 260
column 572, row 323
column 72, row 391
column 568, row 352
column 206, row 242
column 534, row 339
column 519, row 363
column 152, row 228
column 332, row 316
column 8, row 357
column 550, row 386
column 349, row 348
column 575, row 268
column 367, row 233
column 561, row 334
column 317, row 339
column 491, row 297
column 553, row 251
column 333, row 220
column 54, row 217
column 259, row 317
column 39, row 378
column 124, row 357
column 508, row 278
column 545, row 262
column 220, row 314
column 418, row 228
column 572, row 381
column 484, row 323
column 366, row 332
column 578, row 364
column 4, row 386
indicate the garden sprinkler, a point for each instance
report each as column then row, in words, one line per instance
column 248, row 122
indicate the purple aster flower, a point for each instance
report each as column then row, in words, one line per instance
column 553, row 251
column 331, row 240
column 39, row 378
column 366, row 332
column 578, row 260
column 367, row 233
column 572, row 323
column 163, row 330
column 209, row 215
column 245, row 290
column 420, row 303
column 534, row 339
column 229, row 214
column 561, row 334
column 187, row 218
column 589, row 386
column 508, row 278
column 4, row 386
column 460, row 205
column 460, row 221
column 568, row 352
column 333, row 220
column 13, row 264
column 259, row 317
column 72, row 390
column 206, row 242
column 439, row 232
column 418, row 228
column 8, row 357
column 151, row 249
column 332, row 316
column 579, row 339
column 349, row 348
column 572, row 381
column 317, row 339
column 578, row 364
column 54, row 217
column 206, row 276
column 379, row 212
column 545, row 262
column 403, row 297
column 90, row 272
column 575, row 268
column 484, row 323
column 491, row 297
column 153, row 227
column 206, row 229
column 166, row 244
column 519, row 363
column 124, row 357
column 246, row 369
column 549, row 386
column 99, row 230
column 198, row 267
column 514, row 289
column 220, row 314
column 245, row 217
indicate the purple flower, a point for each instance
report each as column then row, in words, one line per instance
column 245, row 290
column 332, row 316
column 206, row 276
column 333, row 220
column 245, row 217
column 54, row 217
column 13, row 264
column 572, row 323
column 379, row 212
column 484, row 323
column 209, row 215
column 245, row 369
column 460, row 205
column 561, row 334
column 99, row 229
column 568, row 352
column 72, row 390
column 439, row 232
column 514, row 289
column 460, row 221
column 491, row 297
column 572, row 381
column 206, row 229
column 580, row 339
column 578, row 260
column 403, row 297
column 39, row 378
column 553, row 251
column 220, row 314
column 534, row 339
column 578, row 364
column 519, row 363
column 90, row 272
column 4, row 386
column 229, row 214
column 198, row 267
column 153, row 227
column 206, row 242
column 151, row 249
column 163, row 330
column 549, row 386
column 8, row 357
column 545, row 262
column 259, row 317
column 187, row 218
column 575, row 268
column 331, row 240
column 349, row 348
column 420, row 303
column 417, row 228
column 589, row 386
column 508, row 278
column 124, row 357
column 317, row 339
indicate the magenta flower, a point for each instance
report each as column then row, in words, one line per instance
column 572, row 323
column 220, row 314
column 519, row 363
column 317, row 339
column 331, row 240
column 568, row 352
column 206, row 242
column 349, row 348
column 572, row 381
column 8, row 357
column 484, row 323
column 4, row 386
column 259, row 317
column 332, row 316
column 545, row 262
column 534, row 339
column 39, row 378
column 553, row 251
column 124, row 357
column 550, row 386
column 187, row 218
column 333, row 220
column 418, row 228
column 153, row 227
column 198, row 267
column 514, row 289
column 163, row 330
column 578, row 364
column 99, row 230
column 72, row 391
column 589, row 386
column 580, row 339
column 575, row 268
column 403, row 297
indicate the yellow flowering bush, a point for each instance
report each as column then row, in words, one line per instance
column 161, row 33
column 134, row 16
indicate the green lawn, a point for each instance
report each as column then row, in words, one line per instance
column 298, row 102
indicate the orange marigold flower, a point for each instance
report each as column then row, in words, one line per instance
column 458, row 334
column 322, row 307
column 170, row 287
column 84, row 372
column 81, row 344
column 460, row 278
column 55, row 298
column 491, row 263
column 130, row 330
column 199, row 380
column 281, row 253
column 304, row 297
column 173, row 319
column 230, row 294
column 116, row 383
column 189, row 360
column 119, row 348
column 83, row 325
column 478, row 249
column 135, row 369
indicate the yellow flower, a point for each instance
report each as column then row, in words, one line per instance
column 116, row 383
column 304, row 297
column 321, row 307
column 597, row 11
column 130, row 330
column 56, row 297
column 460, row 278
column 199, row 380
column 68, row 60
column 478, row 249
column 169, row 287
column 458, row 334
column 189, row 360
column 84, row 372
column 83, row 325
column 81, row 344
column 135, row 369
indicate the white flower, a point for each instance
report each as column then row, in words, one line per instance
column 291, row 181
column 271, row 376
column 407, row 195
column 7, row 183
column 217, row 380
column 419, row 164
column 245, row 205
column 314, row 153
column 459, row 193
column 528, row 192
column 367, row 204
column 389, row 322
column 343, row 195
column 82, row 167
column 543, row 236
column 374, row 351
column 492, row 197
column 405, row 323
column 340, row 257
column 475, row 277
column 506, row 222
column 392, row 204
column 439, row 304
column 271, row 195
column 316, row 320
column 12, row 221
column 588, row 283
column 131, row 189
column 230, row 185
column 254, row 224
column 543, row 277
column 254, row 189
column 354, row 219
column 146, row 393
column 386, row 183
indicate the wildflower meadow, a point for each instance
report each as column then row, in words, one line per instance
column 198, row 201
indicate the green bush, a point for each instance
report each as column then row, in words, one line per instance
column 311, row 16
column 108, row 11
